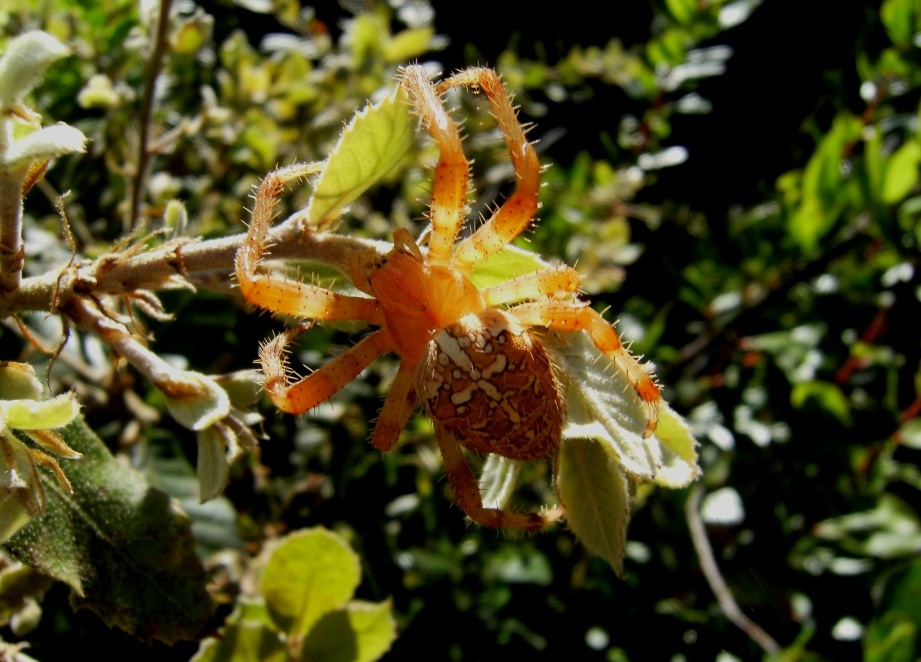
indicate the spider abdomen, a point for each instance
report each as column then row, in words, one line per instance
column 486, row 382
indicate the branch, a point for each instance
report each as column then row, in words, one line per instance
column 179, row 263
column 711, row 571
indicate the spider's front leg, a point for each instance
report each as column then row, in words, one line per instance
column 467, row 491
column 562, row 315
column 517, row 212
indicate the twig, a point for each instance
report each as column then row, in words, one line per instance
column 146, row 112
column 715, row 579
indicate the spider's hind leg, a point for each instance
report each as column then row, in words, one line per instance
column 467, row 491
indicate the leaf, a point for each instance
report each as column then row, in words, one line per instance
column 25, row 61
column 373, row 143
column 42, row 145
column 508, row 263
column 39, row 415
column 901, row 172
column 201, row 406
column 602, row 405
column 497, row 480
column 595, row 493
column 124, row 548
column 309, row 574
column 361, row 632
column 246, row 635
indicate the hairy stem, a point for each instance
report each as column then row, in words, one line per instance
column 207, row 263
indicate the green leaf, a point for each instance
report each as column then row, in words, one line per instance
column 408, row 44
column 508, row 263
column 309, row 574
column 361, row 632
column 18, row 382
column 891, row 638
column 825, row 396
column 124, row 548
column 901, row 172
column 902, row 19
column 602, row 405
column 247, row 635
column 595, row 493
column 39, row 415
column 371, row 145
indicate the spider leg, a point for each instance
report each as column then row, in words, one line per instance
column 398, row 407
column 511, row 219
column 575, row 316
column 282, row 295
column 320, row 385
column 467, row 491
column 449, row 195
column 535, row 285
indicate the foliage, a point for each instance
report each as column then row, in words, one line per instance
column 785, row 332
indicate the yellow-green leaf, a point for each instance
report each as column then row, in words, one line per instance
column 374, row 142
column 39, row 415
column 595, row 493
column 506, row 264
column 311, row 573
column 360, row 632
column 247, row 635
column 901, row 172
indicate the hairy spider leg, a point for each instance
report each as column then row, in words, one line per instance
column 398, row 407
column 575, row 316
column 467, row 491
column 517, row 212
column 320, row 385
column 452, row 173
column 536, row 285
column 282, row 295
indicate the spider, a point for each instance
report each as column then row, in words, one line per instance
column 476, row 359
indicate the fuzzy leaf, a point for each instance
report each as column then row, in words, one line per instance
column 595, row 493
column 602, row 405
column 38, row 414
column 18, row 382
column 25, row 61
column 309, row 574
column 124, row 548
column 374, row 141
column 42, row 145
column 360, row 632
column 204, row 407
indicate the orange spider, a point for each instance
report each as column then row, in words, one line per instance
column 475, row 358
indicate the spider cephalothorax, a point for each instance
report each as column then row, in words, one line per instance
column 475, row 358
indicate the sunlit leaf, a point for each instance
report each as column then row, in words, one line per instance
column 19, row 382
column 595, row 493
column 309, row 574
column 826, row 396
column 602, row 405
column 360, row 632
column 124, row 548
column 373, row 143
column 506, row 264
column 39, row 414
column 408, row 44
column 497, row 480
